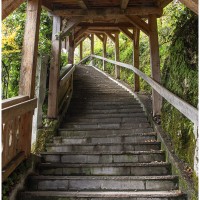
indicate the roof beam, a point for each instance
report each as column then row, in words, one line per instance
column 124, row 4
column 126, row 32
column 8, row 6
column 164, row 3
column 139, row 23
column 111, row 36
column 191, row 4
column 81, row 32
column 99, row 25
column 81, row 40
column 100, row 36
column 82, row 4
column 71, row 23
column 141, row 11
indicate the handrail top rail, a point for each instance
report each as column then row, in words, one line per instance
column 185, row 108
column 65, row 70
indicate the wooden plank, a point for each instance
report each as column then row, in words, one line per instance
column 185, row 108
column 108, row 25
column 104, row 50
column 164, row 3
column 124, row 4
column 6, row 171
column 71, row 49
column 110, row 36
column 126, row 32
column 139, row 23
column 112, row 31
column 155, row 63
column 92, row 47
column 80, row 33
column 8, row 6
column 81, row 50
column 18, row 109
column 82, row 4
column 30, row 49
column 54, row 70
column 71, row 23
column 14, row 100
column 99, row 36
column 117, row 68
column 191, row 4
column 140, row 11
column 136, row 52
column 67, row 76
column 82, row 39
column 47, row 5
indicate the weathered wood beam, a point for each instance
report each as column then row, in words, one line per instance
column 71, row 49
column 126, row 32
column 54, row 70
column 141, row 11
column 110, row 36
column 46, row 4
column 124, row 4
column 104, row 50
column 117, row 68
column 8, row 6
column 139, row 23
column 71, row 23
column 136, row 52
column 99, row 36
column 82, row 39
column 155, row 64
column 81, row 50
column 82, row 4
column 80, row 33
column 102, row 31
column 191, row 4
column 30, row 49
column 164, row 3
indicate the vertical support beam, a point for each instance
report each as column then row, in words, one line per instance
column 81, row 50
column 30, row 49
column 92, row 47
column 117, row 68
column 54, row 69
column 104, row 51
column 71, row 49
column 136, row 37
column 155, row 63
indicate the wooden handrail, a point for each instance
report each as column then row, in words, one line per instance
column 185, row 108
column 14, row 100
column 65, row 70
column 66, row 76
column 18, row 109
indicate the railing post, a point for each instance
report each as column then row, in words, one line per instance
column 104, row 51
column 92, row 47
column 71, row 49
column 54, row 69
column 136, row 37
column 81, row 50
column 117, row 68
column 30, row 49
column 155, row 63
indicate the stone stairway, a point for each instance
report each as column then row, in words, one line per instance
column 106, row 149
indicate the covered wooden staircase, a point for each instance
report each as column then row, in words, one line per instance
column 105, row 149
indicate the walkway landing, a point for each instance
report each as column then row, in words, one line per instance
column 106, row 149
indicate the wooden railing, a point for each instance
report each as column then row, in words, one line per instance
column 186, row 109
column 17, row 116
column 65, row 87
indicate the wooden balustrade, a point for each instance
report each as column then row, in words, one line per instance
column 17, row 116
column 186, row 109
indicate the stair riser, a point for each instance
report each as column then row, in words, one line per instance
column 104, row 126
column 103, row 185
column 103, row 132
column 100, row 159
column 103, row 107
column 113, row 171
column 93, row 140
column 100, row 148
column 105, row 103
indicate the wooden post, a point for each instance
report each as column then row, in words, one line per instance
column 117, row 68
column 30, row 49
column 71, row 49
column 155, row 63
column 104, row 51
column 136, row 37
column 81, row 50
column 92, row 47
column 54, row 69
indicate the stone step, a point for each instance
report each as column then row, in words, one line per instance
column 65, row 132
column 106, row 120
column 103, row 183
column 111, row 138
column 104, row 157
column 102, row 115
column 97, row 195
column 114, row 169
column 108, row 126
column 113, row 147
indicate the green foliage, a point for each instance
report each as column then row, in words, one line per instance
column 180, row 76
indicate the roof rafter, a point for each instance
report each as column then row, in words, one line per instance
column 191, row 4
column 124, row 4
column 126, row 32
column 82, row 4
